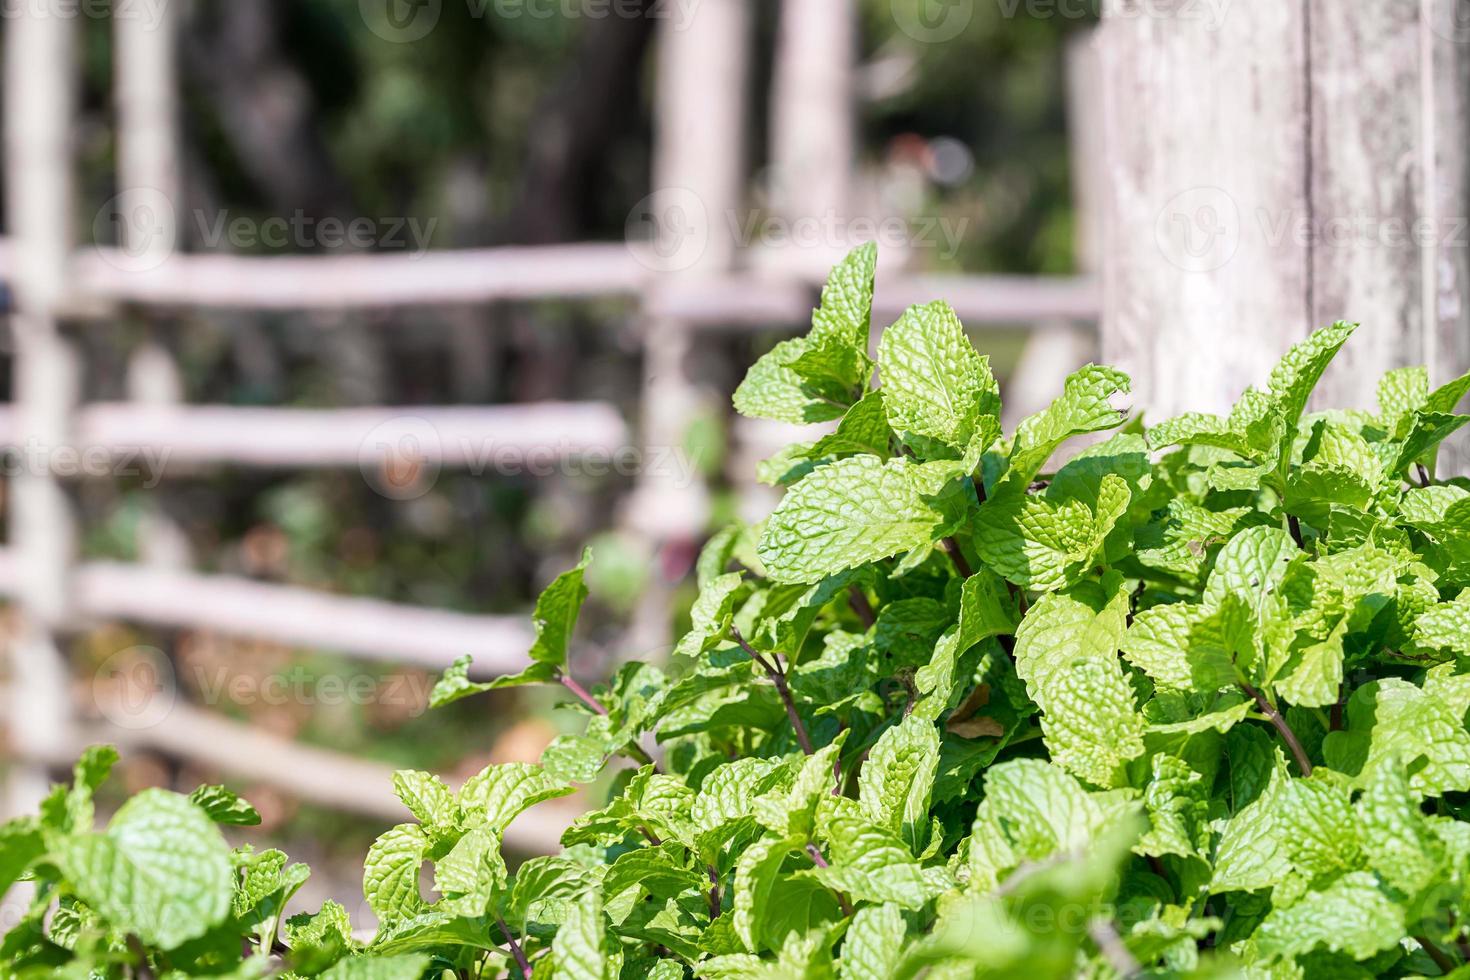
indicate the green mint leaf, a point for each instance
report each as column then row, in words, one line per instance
column 581, row 946
column 427, row 798
column 772, row 389
column 1351, row 915
column 895, row 782
column 223, row 806
column 710, row 615
column 161, row 870
column 390, row 874
column 555, row 616
column 472, row 874
column 936, row 385
column 852, row 512
column 370, row 967
column 873, row 944
column 497, row 794
column 847, row 300
column 1084, row 406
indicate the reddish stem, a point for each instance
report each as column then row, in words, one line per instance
column 782, row 688
column 515, row 949
column 1287, row 735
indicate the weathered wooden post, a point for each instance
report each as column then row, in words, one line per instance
column 150, row 202
column 40, row 92
column 698, row 180
column 1272, row 166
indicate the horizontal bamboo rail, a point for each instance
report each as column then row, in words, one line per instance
column 480, row 437
column 371, row 628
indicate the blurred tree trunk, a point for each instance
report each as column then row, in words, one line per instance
column 575, row 124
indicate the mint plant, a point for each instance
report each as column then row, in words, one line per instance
column 1190, row 705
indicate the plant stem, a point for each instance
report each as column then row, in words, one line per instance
column 863, row 609
column 837, row 767
column 1105, row 935
column 1440, row 957
column 1424, row 480
column 815, row 854
column 714, row 892
column 1287, row 735
column 633, row 751
column 955, row 555
column 515, row 949
column 142, row 971
column 782, row 688
column 583, row 695
column 1294, row 526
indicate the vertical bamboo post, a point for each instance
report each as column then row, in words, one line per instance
column 1327, row 182
column 40, row 93
column 149, row 178
column 813, row 123
column 698, row 177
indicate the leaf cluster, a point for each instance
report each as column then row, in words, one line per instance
column 1191, row 704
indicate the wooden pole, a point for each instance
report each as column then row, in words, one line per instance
column 698, row 178
column 40, row 94
column 149, row 182
column 812, row 125
column 1261, row 190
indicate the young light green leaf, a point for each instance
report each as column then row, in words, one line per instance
column 1351, row 915
column 581, row 946
column 370, row 967
column 854, row 511
column 555, row 616
column 161, row 870
column 847, row 300
column 1085, row 406
column 773, row 390
column 873, row 944
column 390, row 874
column 224, row 807
column 497, row 794
column 472, row 874
column 936, row 385
column 895, row 782
column 426, row 797
column 710, row 616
